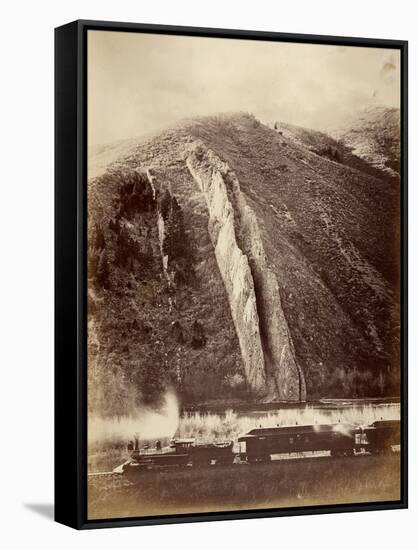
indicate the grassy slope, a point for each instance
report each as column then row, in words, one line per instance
column 327, row 230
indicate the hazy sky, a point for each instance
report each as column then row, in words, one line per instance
column 140, row 83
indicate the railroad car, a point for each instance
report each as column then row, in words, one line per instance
column 382, row 436
column 260, row 443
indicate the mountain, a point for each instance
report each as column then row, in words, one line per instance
column 374, row 135
column 233, row 261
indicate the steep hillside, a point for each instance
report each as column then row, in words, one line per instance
column 374, row 135
column 231, row 261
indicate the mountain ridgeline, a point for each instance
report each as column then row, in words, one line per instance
column 233, row 261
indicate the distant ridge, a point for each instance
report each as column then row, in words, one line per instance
column 374, row 135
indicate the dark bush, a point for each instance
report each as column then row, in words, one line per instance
column 198, row 335
column 103, row 274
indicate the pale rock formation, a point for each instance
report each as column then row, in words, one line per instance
column 252, row 287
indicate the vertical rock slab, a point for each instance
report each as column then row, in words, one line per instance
column 267, row 351
column 284, row 376
column 235, row 272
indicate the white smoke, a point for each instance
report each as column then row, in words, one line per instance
column 144, row 423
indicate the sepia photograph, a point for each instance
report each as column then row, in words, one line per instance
column 243, row 274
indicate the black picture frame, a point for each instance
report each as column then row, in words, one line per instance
column 70, row 271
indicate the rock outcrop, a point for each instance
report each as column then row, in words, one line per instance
column 253, row 290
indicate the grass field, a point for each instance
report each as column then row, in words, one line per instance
column 284, row 483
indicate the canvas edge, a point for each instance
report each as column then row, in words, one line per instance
column 70, row 382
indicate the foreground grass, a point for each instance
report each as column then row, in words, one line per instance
column 286, row 483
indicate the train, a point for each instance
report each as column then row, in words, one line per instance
column 259, row 444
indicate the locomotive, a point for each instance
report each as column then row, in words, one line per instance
column 182, row 452
column 259, row 444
